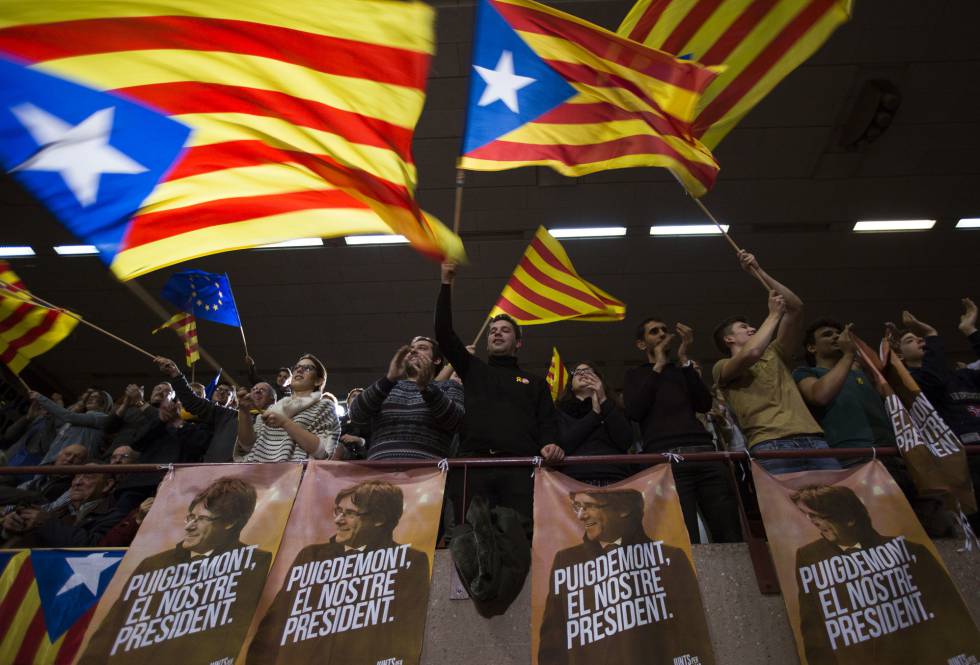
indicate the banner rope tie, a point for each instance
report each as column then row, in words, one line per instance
column 674, row 458
column 443, row 465
column 535, row 464
column 969, row 537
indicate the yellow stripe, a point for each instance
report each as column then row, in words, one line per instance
column 396, row 104
column 547, row 292
column 673, row 100
column 213, row 128
column 572, row 281
column 716, row 25
column 668, row 22
column 47, row 651
column 540, row 314
column 12, row 639
column 407, row 25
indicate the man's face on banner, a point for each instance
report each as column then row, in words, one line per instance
column 832, row 532
column 601, row 523
column 203, row 530
column 350, row 521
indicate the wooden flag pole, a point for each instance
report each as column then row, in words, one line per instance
column 480, row 333
column 458, row 207
column 44, row 303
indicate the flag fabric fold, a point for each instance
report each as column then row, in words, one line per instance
column 546, row 288
column 547, row 88
column 185, row 326
column 301, row 115
column 557, row 377
column 758, row 43
column 26, row 330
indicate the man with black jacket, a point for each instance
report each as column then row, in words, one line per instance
column 508, row 411
column 663, row 398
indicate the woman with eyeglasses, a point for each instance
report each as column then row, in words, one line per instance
column 592, row 422
column 297, row 427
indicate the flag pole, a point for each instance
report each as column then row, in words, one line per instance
column 480, row 333
column 241, row 328
column 20, row 294
column 158, row 309
column 458, row 208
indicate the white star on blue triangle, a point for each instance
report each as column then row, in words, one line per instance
column 70, row 583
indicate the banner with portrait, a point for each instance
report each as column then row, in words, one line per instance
column 612, row 579
column 350, row 585
column 862, row 582
column 189, row 584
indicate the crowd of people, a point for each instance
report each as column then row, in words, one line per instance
column 439, row 399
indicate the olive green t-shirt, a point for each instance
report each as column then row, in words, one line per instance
column 766, row 401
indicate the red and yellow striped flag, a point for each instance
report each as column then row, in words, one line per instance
column 630, row 105
column 26, row 330
column 557, row 375
column 185, row 326
column 545, row 288
column 302, row 113
column 758, row 41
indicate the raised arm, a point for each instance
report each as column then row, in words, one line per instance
column 750, row 353
column 452, row 346
column 790, row 334
column 823, row 391
column 93, row 419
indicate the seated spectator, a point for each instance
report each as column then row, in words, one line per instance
column 353, row 437
column 87, row 517
column 295, row 428
column 409, row 415
column 756, row 382
column 85, row 420
column 134, row 416
column 49, row 487
column 664, row 398
column 591, row 422
column 123, row 533
column 32, row 434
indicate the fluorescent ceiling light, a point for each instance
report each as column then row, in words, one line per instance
column 295, row 242
column 75, row 250
column 895, row 225
column 590, row 232
column 687, row 230
column 383, row 239
column 11, row 250
column 968, row 223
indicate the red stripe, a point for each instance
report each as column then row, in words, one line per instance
column 549, row 257
column 752, row 74
column 32, row 639
column 506, row 151
column 10, row 603
column 609, row 46
column 332, row 55
column 562, row 376
column 540, row 300
column 195, row 97
column 546, row 280
column 736, row 32
column 690, row 24
column 30, row 336
column 654, row 11
column 18, row 315
column 514, row 310
column 73, row 639
column 595, row 112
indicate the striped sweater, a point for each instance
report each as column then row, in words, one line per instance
column 273, row 444
column 408, row 423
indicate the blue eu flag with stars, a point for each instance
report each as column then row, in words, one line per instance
column 206, row 295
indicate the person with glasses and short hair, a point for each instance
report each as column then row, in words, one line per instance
column 296, row 428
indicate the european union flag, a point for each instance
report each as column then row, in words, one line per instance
column 91, row 157
column 206, row 295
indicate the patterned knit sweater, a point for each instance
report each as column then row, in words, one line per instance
column 408, row 423
column 273, row 444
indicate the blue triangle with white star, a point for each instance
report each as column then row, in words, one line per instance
column 91, row 157
column 70, row 583
column 510, row 84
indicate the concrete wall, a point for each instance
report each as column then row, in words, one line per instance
column 746, row 627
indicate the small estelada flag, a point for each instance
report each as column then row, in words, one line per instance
column 545, row 288
column 185, row 326
column 557, row 375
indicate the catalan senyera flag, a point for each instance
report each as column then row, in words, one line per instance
column 758, row 41
column 557, row 375
column 547, row 88
column 545, row 288
column 301, row 116
column 26, row 330
column 185, row 326
column 47, row 598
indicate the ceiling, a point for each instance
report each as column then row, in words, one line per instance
column 788, row 191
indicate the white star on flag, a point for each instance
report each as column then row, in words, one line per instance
column 502, row 82
column 80, row 153
column 87, row 570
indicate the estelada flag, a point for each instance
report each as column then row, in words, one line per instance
column 546, row 288
column 189, row 584
column 301, row 116
column 557, row 377
column 351, row 582
column 547, row 88
column 862, row 582
column 612, row 579
column 184, row 325
column 27, row 330
column 758, row 43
